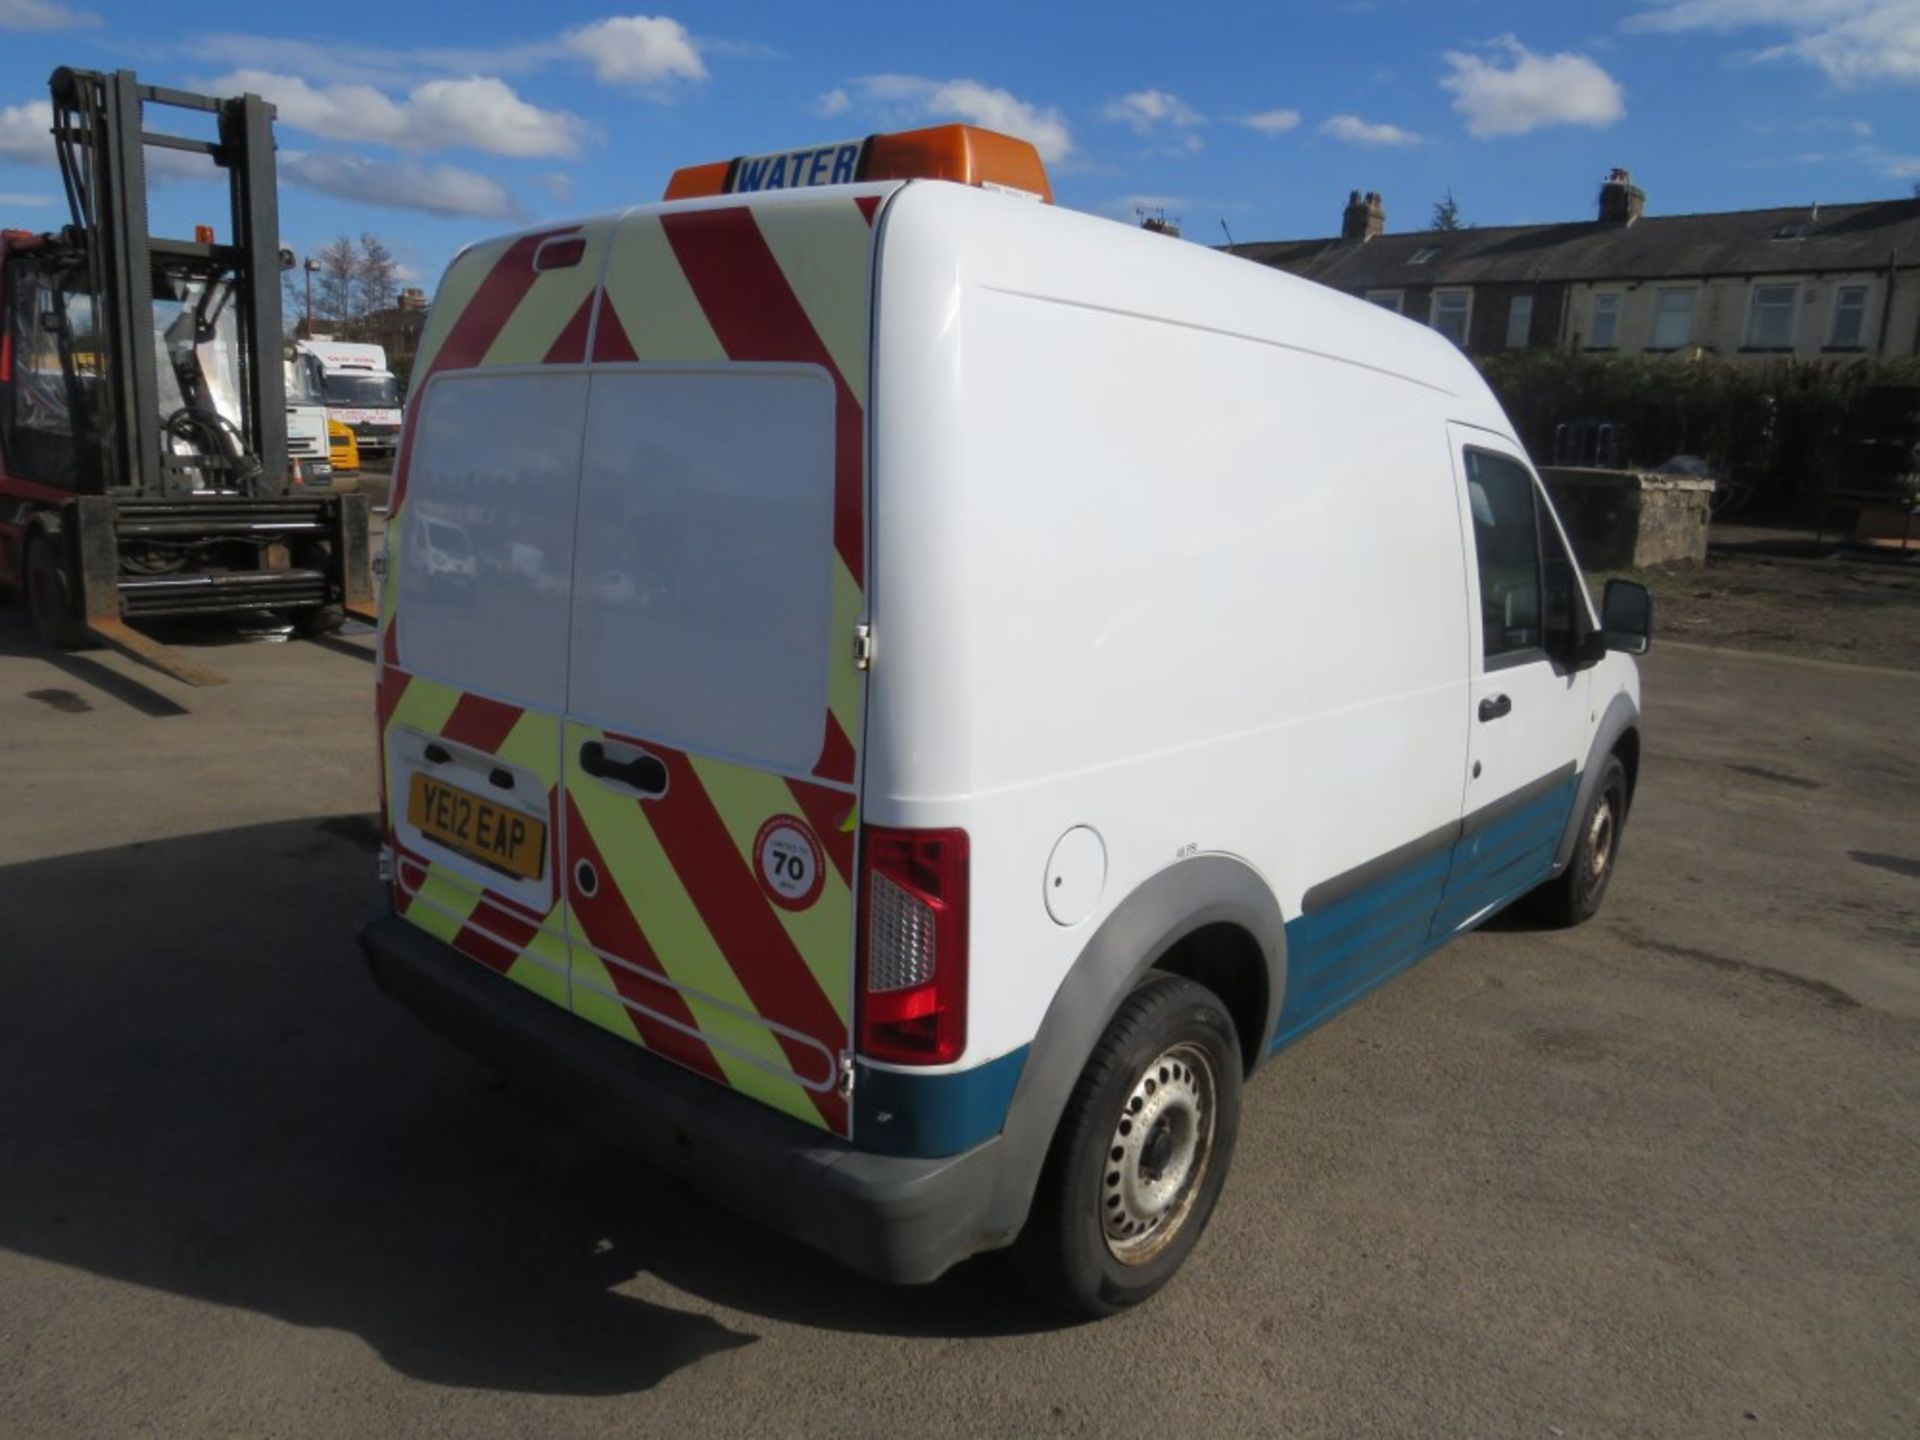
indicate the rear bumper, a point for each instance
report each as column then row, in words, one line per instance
column 898, row 1219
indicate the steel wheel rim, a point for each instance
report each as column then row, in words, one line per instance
column 1159, row 1154
column 1600, row 836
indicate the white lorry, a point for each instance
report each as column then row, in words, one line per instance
column 1001, row 676
column 360, row 392
column 309, row 446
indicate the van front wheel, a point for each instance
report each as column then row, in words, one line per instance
column 1141, row 1154
column 1575, row 895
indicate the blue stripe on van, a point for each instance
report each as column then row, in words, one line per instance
column 1338, row 951
column 897, row 1112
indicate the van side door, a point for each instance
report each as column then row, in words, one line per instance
column 1528, row 718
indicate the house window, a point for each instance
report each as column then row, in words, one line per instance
column 1673, row 319
column 1605, row 330
column 1449, row 314
column 1423, row 255
column 1519, row 322
column 1770, row 321
column 1387, row 300
column 1849, row 317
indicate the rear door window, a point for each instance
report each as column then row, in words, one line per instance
column 704, row 603
column 483, row 555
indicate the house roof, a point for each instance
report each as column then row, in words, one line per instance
column 1794, row 240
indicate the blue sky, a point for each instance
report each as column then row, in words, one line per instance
column 436, row 124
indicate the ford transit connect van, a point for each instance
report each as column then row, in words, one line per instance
column 947, row 687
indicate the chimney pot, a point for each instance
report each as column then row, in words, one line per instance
column 1364, row 217
column 1621, row 201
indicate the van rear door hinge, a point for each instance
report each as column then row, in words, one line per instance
column 845, row 1079
column 863, row 647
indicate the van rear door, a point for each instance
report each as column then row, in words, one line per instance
column 473, row 688
column 714, row 703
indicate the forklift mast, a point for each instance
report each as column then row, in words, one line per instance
column 143, row 414
column 100, row 136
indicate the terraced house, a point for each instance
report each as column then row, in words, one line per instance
column 1808, row 281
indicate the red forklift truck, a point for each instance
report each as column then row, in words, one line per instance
column 143, row 442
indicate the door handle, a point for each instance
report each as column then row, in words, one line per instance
column 643, row 772
column 1494, row 706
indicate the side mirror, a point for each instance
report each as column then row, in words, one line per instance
column 1626, row 617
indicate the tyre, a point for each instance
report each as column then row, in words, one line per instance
column 1141, row 1153
column 319, row 620
column 50, row 596
column 1575, row 894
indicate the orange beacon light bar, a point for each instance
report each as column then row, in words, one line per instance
column 964, row 153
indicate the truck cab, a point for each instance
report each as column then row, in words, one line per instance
column 308, row 443
column 360, row 392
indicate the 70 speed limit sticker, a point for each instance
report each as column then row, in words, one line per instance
column 787, row 859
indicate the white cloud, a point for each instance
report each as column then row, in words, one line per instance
column 834, row 102
column 642, row 50
column 1853, row 41
column 26, row 133
column 649, row 52
column 26, row 138
column 12, row 198
column 43, row 15
column 1146, row 110
column 1354, row 130
column 402, row 185
column 1530, row 90
column 1904, row 167
column 970, row 100
column 478, row 112
column 1272, row 122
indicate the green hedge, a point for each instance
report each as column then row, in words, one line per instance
column 1789, row 429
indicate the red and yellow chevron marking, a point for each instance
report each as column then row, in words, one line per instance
column 525, row 945
column 789, row 282
column 678, row 948
column 678, row 898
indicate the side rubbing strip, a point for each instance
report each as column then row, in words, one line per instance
column 1507, row 804
column 1331, row 892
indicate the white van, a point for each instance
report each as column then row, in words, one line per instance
column 360, row 392
column 992, row 678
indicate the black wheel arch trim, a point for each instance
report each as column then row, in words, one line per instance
column 1164, row 910
column 1621, row 716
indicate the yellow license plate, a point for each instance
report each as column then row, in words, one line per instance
column 479, row 829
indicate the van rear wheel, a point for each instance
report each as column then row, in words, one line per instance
column 1141, row 1154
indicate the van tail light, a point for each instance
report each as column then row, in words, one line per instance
column 913, row 945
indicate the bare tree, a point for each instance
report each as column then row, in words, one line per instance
column 379, row 276
column 336, row 284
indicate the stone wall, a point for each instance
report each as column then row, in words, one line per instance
column 1629, row 519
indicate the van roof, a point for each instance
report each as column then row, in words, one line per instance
column 1156, row 277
